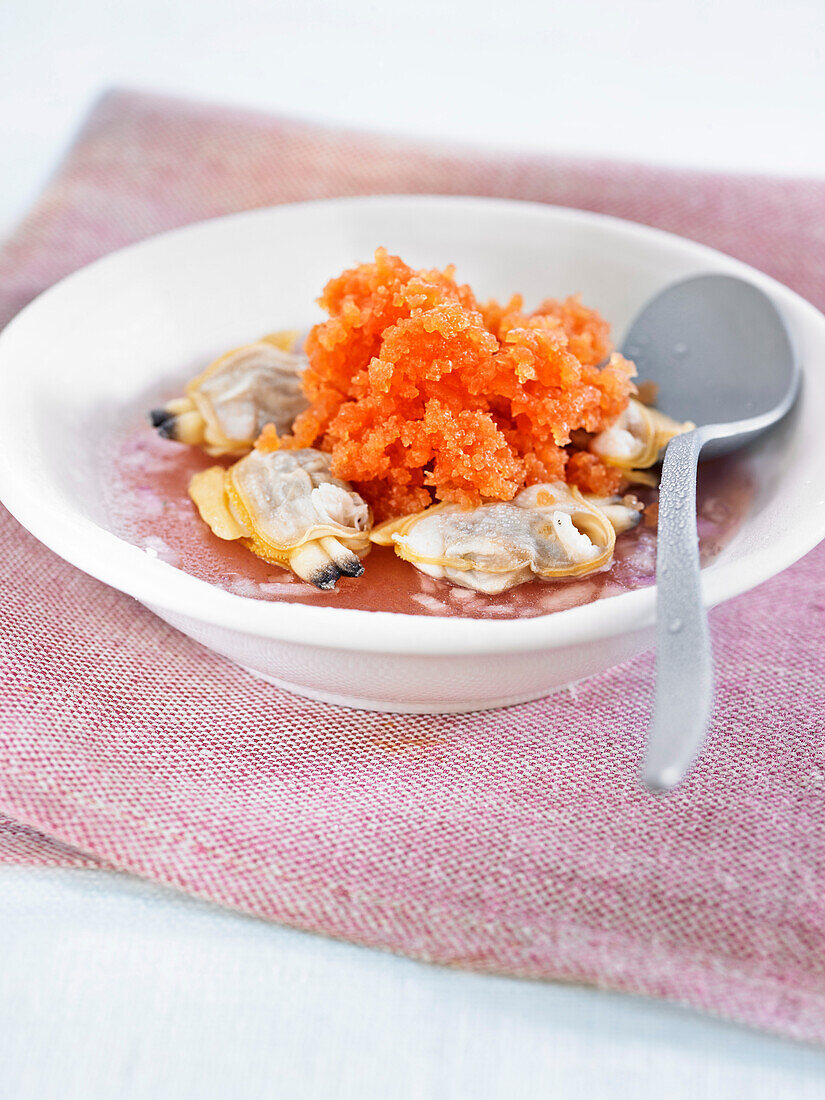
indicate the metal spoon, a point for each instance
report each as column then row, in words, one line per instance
column 721, row 356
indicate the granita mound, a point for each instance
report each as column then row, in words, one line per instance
column 419, row 392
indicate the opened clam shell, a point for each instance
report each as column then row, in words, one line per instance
column 624, row 512
column 546, row 531
column 225, row 407
column 286, row 507
column 634, row 441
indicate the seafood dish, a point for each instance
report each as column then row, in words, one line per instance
column 484, row 446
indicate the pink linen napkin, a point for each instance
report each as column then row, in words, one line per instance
column 515, row 841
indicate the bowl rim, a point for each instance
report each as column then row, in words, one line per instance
column 166, row 589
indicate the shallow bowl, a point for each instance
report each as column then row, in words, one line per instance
column 86, row 349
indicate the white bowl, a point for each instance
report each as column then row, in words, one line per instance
column 90, row 345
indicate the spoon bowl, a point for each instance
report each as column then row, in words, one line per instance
column 720, row 354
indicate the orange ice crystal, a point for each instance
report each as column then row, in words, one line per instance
column 421, row 393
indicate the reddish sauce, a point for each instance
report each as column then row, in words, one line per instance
column 145, row 492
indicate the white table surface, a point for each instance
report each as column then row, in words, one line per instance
column 115, row 988
column 111, row 987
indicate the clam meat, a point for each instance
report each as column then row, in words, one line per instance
column 546, row 531
column 225, row 408
column 286, row 507
column 634, row 441
column 624, row 512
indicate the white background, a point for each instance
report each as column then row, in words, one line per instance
column 112, row 988
column 715, row 83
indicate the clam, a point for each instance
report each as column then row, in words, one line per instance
column 546, row 531
column 286, row 507
column 635, row 439
column 624, row 512
column 225, row 407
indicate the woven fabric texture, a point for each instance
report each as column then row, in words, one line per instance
column 515, row 841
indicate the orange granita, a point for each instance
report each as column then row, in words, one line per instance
column 268, row 440
column 420, row 393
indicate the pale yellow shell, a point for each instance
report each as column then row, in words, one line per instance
column 624, row 512
column 636, row 438
column 226, row 406
column 287, row 508
column 546, row 531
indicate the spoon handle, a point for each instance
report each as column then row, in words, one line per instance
column 684, row 668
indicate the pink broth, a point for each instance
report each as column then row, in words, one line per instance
column 145, row 492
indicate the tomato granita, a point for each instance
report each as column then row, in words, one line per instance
column 485, row 445
column 419, row 393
